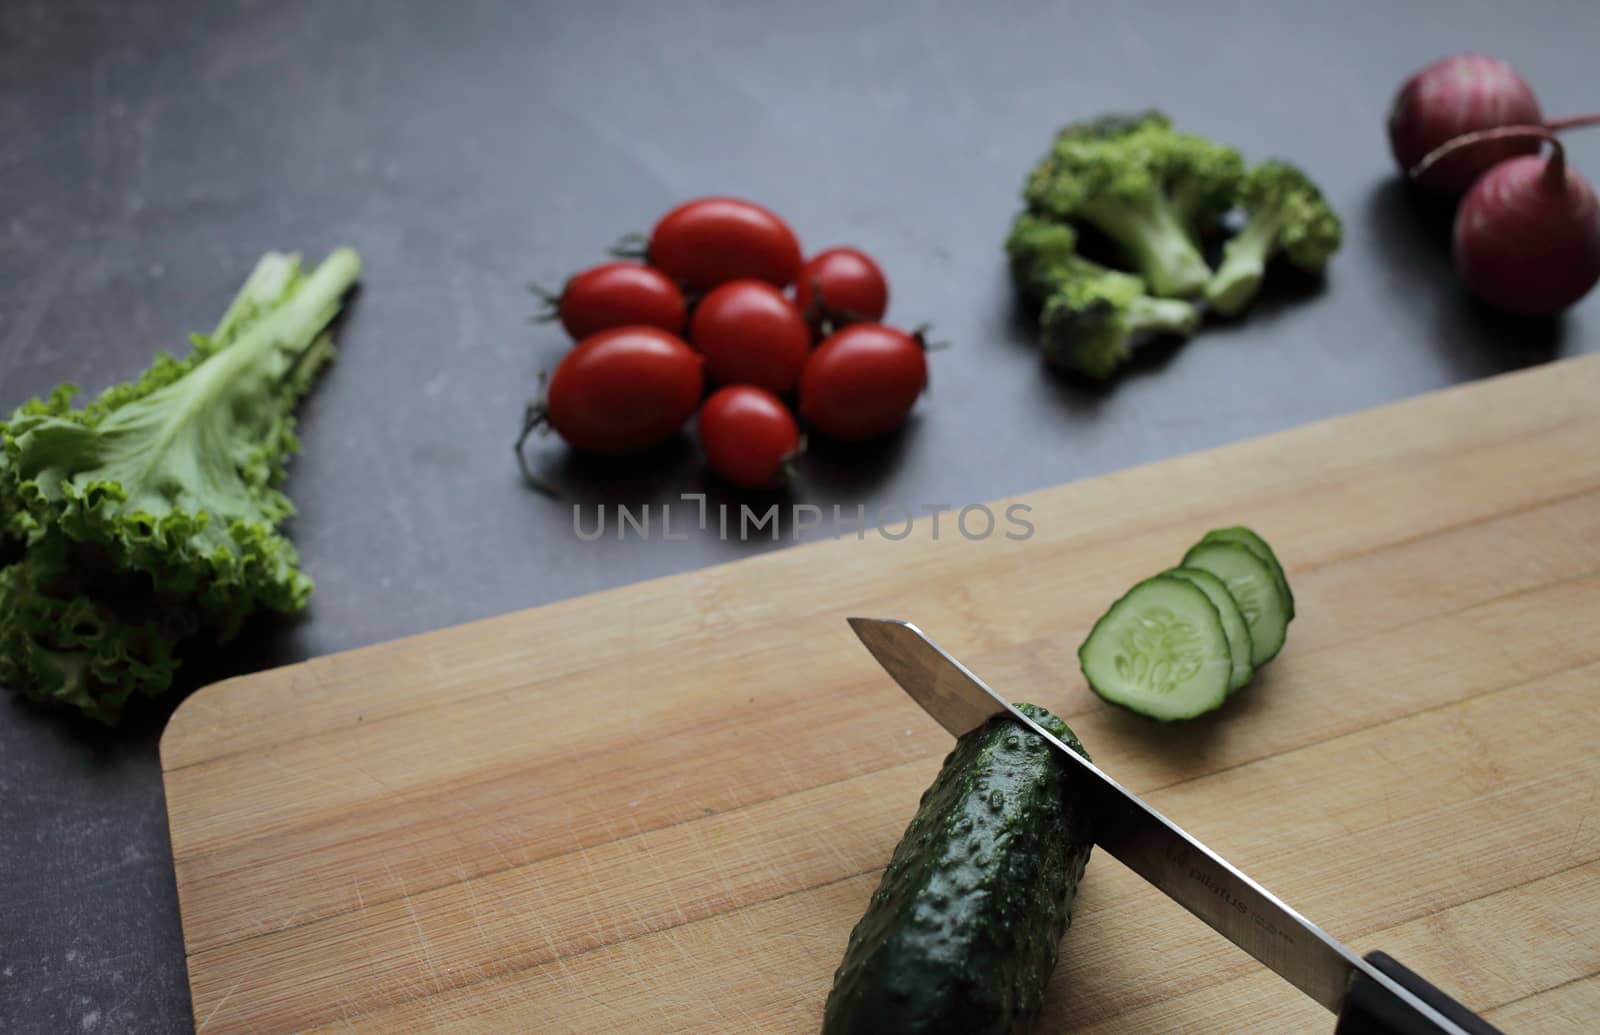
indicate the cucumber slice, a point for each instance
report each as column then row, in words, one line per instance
column 1258, row 546
column 1233, row 623
column 1161, row 651
column 1250, row 581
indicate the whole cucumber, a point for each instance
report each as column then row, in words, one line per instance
column 962, row 933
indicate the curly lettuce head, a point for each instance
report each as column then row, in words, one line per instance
column 152, row 513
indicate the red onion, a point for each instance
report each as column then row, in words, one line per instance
column 1527, row 234
column 1458, row 95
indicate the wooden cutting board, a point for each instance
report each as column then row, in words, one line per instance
column 662, row 808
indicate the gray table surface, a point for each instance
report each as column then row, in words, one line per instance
column 149, row 152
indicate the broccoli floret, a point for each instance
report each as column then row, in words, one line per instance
column 1144, row 186
column 1285, row 213
column 1044, row 255
column 1202, row 179
column 1091, row 323
column 1116, row 124
column 150, row 515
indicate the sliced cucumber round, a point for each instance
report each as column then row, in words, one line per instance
column 1234, row 626
column 1255, row 544
column 1250, row 581
column 1161, row 651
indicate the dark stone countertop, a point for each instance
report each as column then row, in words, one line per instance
column 150, row 152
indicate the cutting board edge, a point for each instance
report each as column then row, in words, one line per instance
column 219, row 685
column 186, row 712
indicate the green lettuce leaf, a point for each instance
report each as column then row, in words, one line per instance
column 151, row 514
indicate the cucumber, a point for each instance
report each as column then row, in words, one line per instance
column 1233, row 623
column 1250, row 581
column 961, row 935
column 1161, row 651
column 1258, row 546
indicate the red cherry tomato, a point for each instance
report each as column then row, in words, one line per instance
column 710, row 241
column 751, row 334
column 863, row 381
column 748, row 435
column 624, row 390
column 844, row 284
column 620, row 294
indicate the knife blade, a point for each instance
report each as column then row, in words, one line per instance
column 1179, row 865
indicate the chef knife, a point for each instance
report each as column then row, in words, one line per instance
column 1371, row 994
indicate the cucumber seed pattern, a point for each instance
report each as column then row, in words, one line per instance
column 1246, row 595
column 1159, row 651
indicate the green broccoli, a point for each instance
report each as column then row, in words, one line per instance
column 1090, row 324
column 1285, row 212
column 1116, row 124
column 1044, row 255
column 150, row 515
column 1202, row 179
column 1147, row 187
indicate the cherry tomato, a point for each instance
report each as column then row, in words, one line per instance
column 624, row 390
column 709, row 241
column 748, row 436
column 844, row 285
column 751, row 334
column 620, row 294
column 862, row 381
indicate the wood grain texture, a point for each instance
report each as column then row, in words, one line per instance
column 662, row 808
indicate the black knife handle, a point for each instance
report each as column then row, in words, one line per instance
column 1371, row 1009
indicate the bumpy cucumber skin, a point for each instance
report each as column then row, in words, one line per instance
column 1248, row 539
column 962, row 933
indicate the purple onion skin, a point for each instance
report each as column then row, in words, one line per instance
column 1453, row 96
column 1527, row 236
